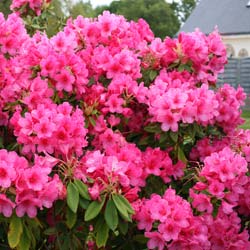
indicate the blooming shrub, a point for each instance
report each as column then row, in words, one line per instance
column 114, row 139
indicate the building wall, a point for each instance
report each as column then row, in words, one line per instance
column 237, row 44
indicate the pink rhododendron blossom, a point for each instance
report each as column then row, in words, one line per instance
column 174, row 218
column 155, row 240
column 6, row 205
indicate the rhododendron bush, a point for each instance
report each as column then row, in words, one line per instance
column 114, row 139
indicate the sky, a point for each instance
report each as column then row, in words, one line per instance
column 106, row 2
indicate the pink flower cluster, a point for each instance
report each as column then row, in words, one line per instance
column 84, row 53
column 173, row 100
column 50, row 129
column 35, row 5
column 169, row 223
column 224, row 178
column 123, row 167
column 206, row 55
column 12, row 34
column 27, row 188
column 238, row 140
column 224, row 232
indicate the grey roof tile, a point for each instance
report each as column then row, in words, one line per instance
column 231, row 17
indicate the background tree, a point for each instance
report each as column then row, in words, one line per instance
column 81, row 8
column 184, row 8
column 5, row 7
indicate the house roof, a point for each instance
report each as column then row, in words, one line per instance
column 231, row 17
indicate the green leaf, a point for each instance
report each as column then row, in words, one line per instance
column 153, row 128
column 92, row 121
column 173, row 136
column 15, row 231
column 62, row 227
column 187, row 67
column 83, row 203
column 140, row 238
column 163, row 137
column 126, row 203
column 122, row 208
column 123, row 227
column 181, row 155
column 25, row 241
column 111, row 215
column 1, row 143
column 70, row 218
column 66, row 242
column 93, row 209
column 102, row 234
column 143, row 141
column 83, row 189
column 50, row 231
column 72, row 197
column 152, row 75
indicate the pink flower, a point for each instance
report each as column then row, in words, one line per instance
column 145, row 220
column 48, row 65
column 160, row 211
column 7, row 174
column 169, row 230
column 201, row 202
column 44, row 128
column 94, row 191
column 50, row 192
column 169, row 120
column 114, row 104
column 6, row 205
column 27, row 203
column 156, row 240
column 64, row 80
column 216, row 188
column 35, row 178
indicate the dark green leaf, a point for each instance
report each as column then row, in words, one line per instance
column 143, row 141
column 163, row 138
column 152, row 75
column 93, row 209
column 70, row 218
column 121, row 207
column 140, row 238
column 25, row 241
column 111, row 215
column 83, row 203
column 184, row 67
column 102, row 234
column 61, row 227
column 15, row 231
column 153, row 128
column 72, row 197
column 50, row 231
column 92, row 121
column 83, row 189
column 123, row 227
column 181, row 155
column 66, row 245
column 173, row 136
column 126, row 203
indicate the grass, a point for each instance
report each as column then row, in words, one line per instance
column 246, row 115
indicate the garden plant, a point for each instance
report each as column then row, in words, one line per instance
column 114, row 139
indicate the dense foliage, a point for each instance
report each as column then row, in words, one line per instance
column 114, row 139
